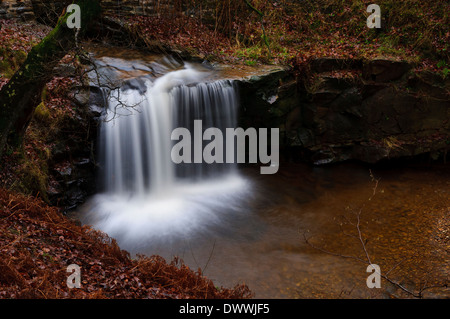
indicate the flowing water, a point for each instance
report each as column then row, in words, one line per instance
column 146, row 196
column 242, row 227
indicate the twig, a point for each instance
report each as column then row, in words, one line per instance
column 209, row 258
column 367, row 259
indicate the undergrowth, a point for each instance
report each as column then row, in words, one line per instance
column 297, row 31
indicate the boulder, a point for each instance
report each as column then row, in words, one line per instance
column 384, row 70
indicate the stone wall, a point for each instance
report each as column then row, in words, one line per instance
column 16, row 9
column 48, row 11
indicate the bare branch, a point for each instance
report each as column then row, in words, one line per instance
column 367, row 260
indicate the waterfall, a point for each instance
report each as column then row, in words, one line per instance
column 136, row 133
column 145, row 193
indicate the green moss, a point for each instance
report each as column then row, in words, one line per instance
column 53, row 44
column 42, row 113
column 44, row 94
column 33, row 178
column 19, row 58
column 5, row 69
column 10, row 61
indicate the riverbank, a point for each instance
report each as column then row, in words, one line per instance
column 38, row 243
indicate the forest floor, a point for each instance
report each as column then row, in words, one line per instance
column 38, row 243
column 291, row 33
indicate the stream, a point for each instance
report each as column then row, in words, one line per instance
column 239, row 226
column 261, row 242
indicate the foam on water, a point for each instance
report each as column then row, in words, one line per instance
column 185, row 209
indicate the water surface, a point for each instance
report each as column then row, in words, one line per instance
column 258, row 238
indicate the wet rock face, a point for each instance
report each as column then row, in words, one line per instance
column 73, row 181
column 73, row 156
column 343, row 110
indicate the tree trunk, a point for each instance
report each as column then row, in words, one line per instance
column 20, row 96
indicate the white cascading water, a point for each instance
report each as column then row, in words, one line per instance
column 147, row 196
